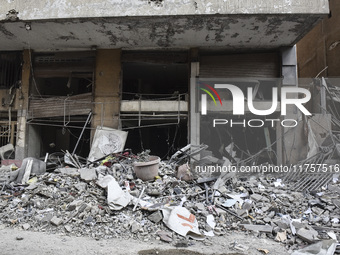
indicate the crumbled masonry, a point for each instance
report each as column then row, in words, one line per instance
column 75, row 201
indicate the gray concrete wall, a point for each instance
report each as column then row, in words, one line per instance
column 319, row 47
column 34, row 141
column 56, row 9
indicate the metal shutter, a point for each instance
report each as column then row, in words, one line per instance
column 257, row 65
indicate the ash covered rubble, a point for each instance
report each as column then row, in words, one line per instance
column 105, row 199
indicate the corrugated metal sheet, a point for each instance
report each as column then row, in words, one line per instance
column 60, row 106
column 160, row 57
column 258, row 65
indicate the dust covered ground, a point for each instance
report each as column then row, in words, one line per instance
column 14, row 241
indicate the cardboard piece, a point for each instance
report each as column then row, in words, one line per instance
column 106, row 141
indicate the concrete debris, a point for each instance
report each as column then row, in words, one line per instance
column 308, row 234
column 241, row 247
column 29, row 166
column 68, row 171
column 165, row 236
column 68, row 228
column 88, row 174
column 104, row 199
column 259, row 228
column 56, row 221
column 326, row 247
column 281, row 236
column 135, row 227
column 184, row 173
column 264, row 251
column 155, row 217
column 26, row 226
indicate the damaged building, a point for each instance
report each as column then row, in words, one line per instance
column 119, row 119
column 70, row 67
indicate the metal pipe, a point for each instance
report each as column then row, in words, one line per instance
column 81, row 134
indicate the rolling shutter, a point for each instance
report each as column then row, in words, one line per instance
column 257, row 65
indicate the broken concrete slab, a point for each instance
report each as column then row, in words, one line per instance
column 80, row 186
column 88, row 174
column 309, row 234
column 165, row 236
column 155, row 217
column 258, row 228
column 68, row 228
column 68, row 171
column 56, row 221
column 326, row 247
column 256, row 197
column 47, row 217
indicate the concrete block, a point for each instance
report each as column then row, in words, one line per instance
column 56, row 221
column 135, row 226
column 68, row 228
column 156, row 217
column 308, row 234
column 26, row 226
column 88, row 174
column 69, row 171
column 256, row 197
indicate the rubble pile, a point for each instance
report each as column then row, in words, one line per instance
column 105, row 200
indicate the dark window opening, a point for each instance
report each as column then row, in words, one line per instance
column 162, row 141
column 151, row 76
column 63, row 73
column 62, row 86
column 150, row 80
column 50, row 136
column 10, row 69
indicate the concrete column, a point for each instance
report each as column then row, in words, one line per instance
column 21, row 143
column 194, row 125
column 293, row 143
column 107, row 89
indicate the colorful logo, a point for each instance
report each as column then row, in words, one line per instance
column 209, row 93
